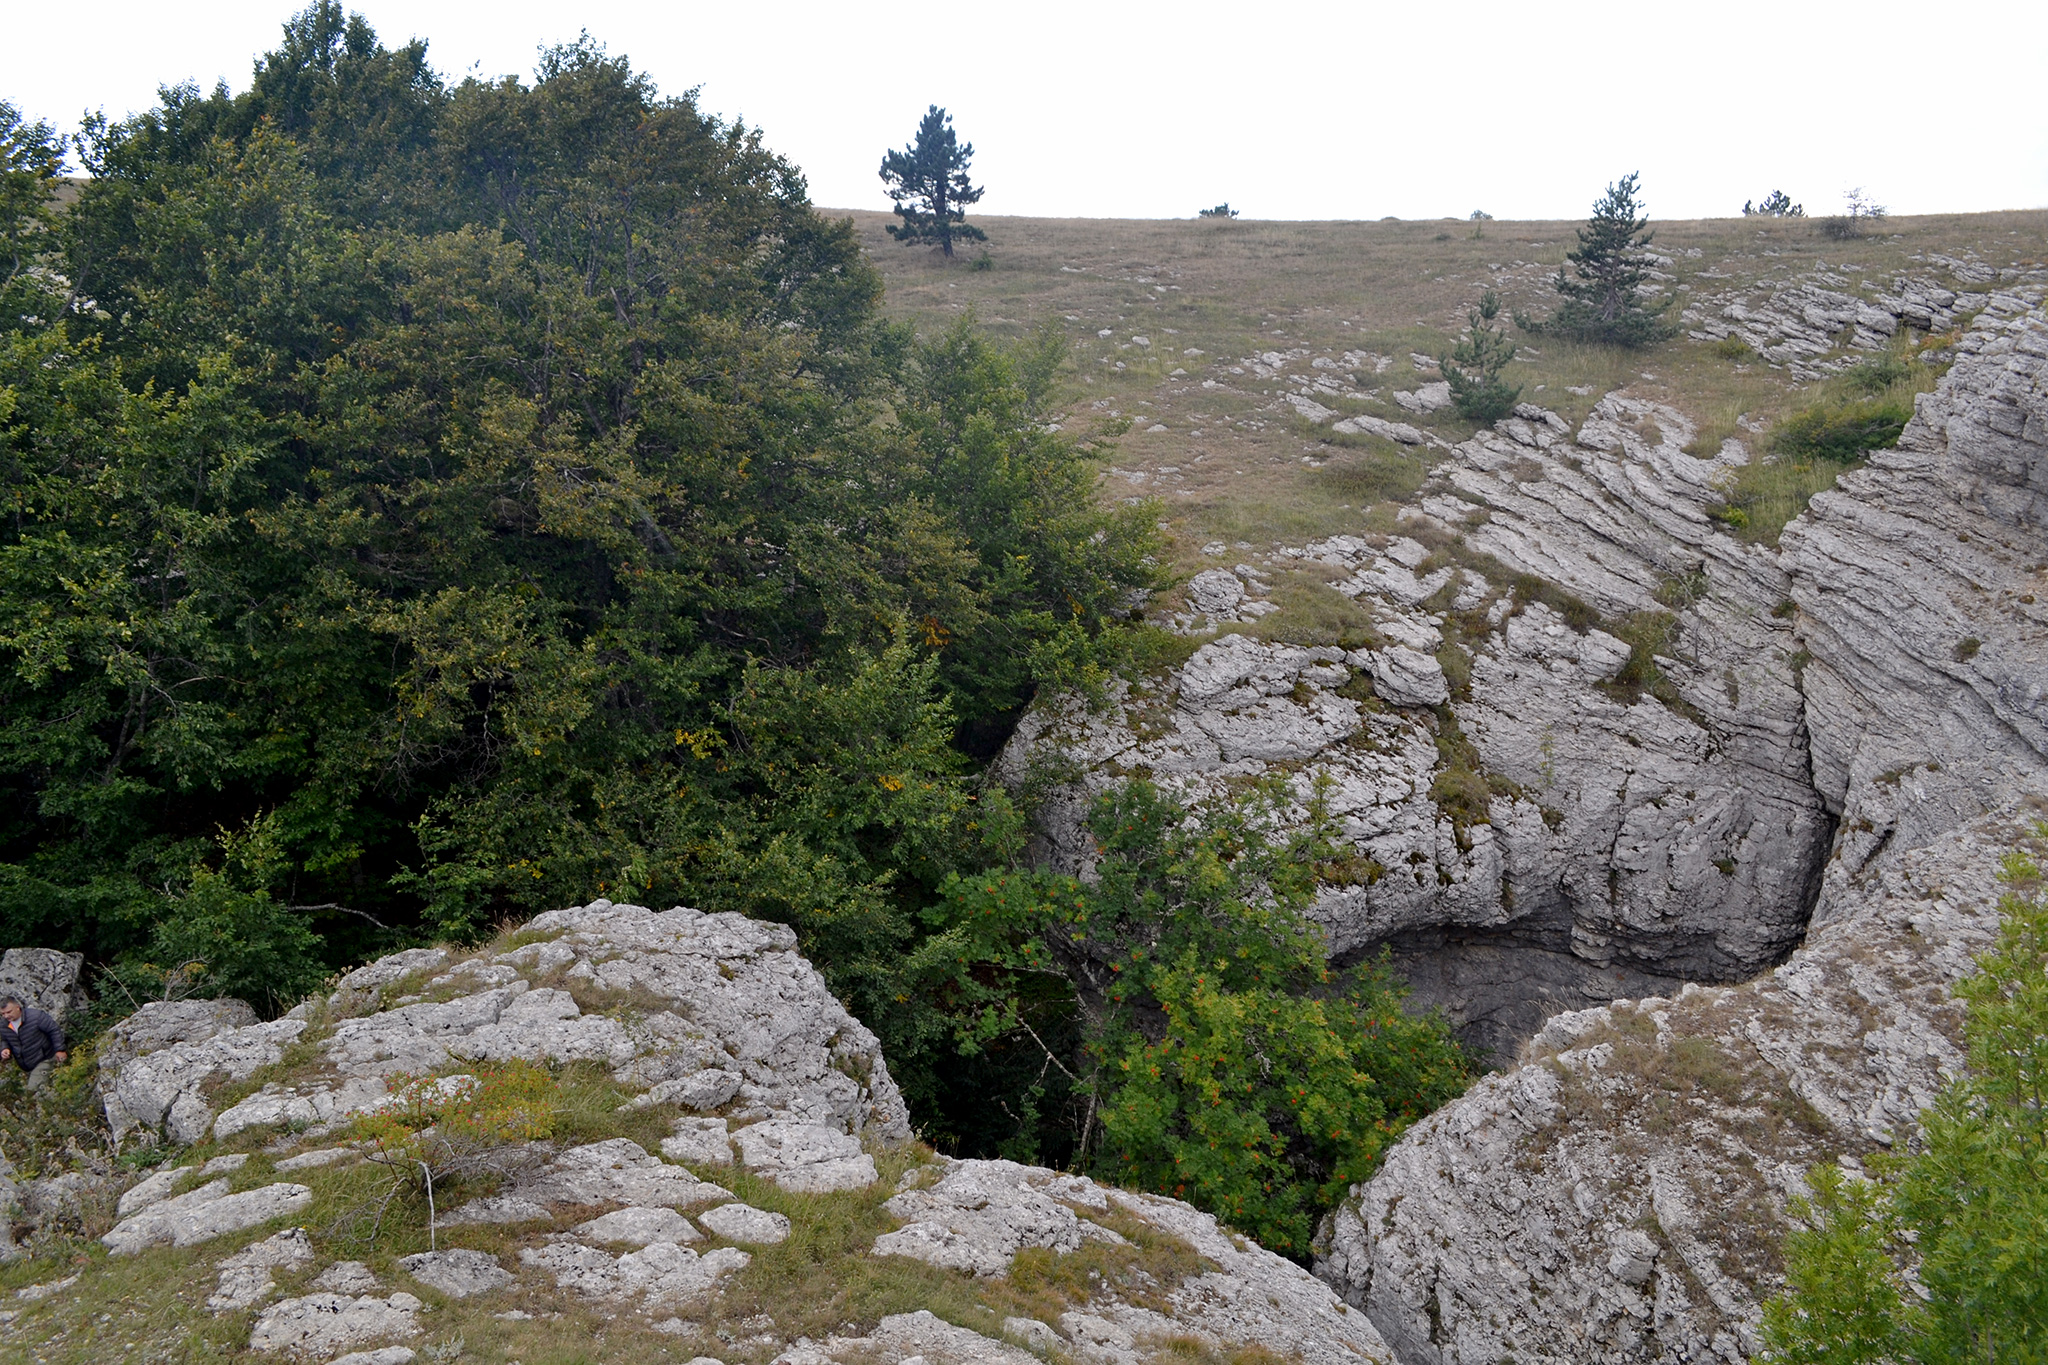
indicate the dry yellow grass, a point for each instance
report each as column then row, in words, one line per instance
column 1224, row 468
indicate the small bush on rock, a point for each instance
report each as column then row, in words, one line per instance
column 1842, row 432
column 438, row 1131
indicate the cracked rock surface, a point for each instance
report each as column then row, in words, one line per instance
column 1620, row 1196
column 978, row 1215
column 725, row 1015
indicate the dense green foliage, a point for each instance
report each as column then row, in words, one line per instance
column 1601, row 299
column 1187, row 1032
column 1966, row 1216
column 928, row 183
column 432, row 503
column 1843, row 431
column 1473, row 367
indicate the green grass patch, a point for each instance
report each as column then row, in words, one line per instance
column 1864, row 408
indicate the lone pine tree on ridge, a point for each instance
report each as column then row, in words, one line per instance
column 928, row 181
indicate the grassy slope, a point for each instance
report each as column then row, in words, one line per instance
column 1226, row 467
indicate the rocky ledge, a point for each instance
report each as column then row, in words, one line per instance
column 752, row 1121
column 1620, row 1195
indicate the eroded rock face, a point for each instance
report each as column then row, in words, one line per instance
column 978, row 1215
column 1621, row 1195
column 727, row 1015
column 1622, row 844
column 44, row 978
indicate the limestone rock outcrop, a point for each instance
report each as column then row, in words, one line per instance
column 1606, row 841
column 1620, row 1195
column 44, row 978
column 758, row 1032
column 975, row 1216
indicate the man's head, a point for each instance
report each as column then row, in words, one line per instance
column 10, row 1008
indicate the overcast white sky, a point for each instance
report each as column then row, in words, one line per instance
column 1303, row 110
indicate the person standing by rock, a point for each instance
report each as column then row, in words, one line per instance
column 32, row 1039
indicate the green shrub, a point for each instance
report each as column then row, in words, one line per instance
column 1877, row 375
column 1842, row 432
column 1218, row 1058
column 1944, row 1255
column 1733, row 348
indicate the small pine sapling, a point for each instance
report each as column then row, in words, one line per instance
column 928, row 182
column 1603, row 301
column 1473, row 367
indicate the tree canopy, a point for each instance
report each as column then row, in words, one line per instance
column 432, row 503
column 1174, row 1023
column 928, row 182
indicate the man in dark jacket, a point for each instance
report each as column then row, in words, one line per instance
column 32, row 1039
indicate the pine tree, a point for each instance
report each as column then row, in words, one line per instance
column 1602, row 304
column 1473, row 368
column 928, row 181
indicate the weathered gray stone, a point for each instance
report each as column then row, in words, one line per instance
column 319, row 1326
column 639, row 1227
column 1215, row 591
column 1367, row 425
column 44, row 978
column 704, row 1141
column 499, row 1209
column 384, row 1355
column 980, row 1214
column 1406, row 677
column 347, row 1277
column 1037, row 1335
column 706, row 1089
column 618, row 1171
column 1513, row 1218
column 162, row 1088
column 658, row 1274
column 458, row 1274
column 203, row 1214
column 808, row 1158
column 1426, row 398
column 161, row 1023
column 245, row 1277
column 152, row 1189
column 745, row 1223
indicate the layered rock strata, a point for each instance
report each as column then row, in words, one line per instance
column 1620, row 1196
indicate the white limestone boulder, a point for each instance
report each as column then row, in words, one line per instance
column 322, row 1326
